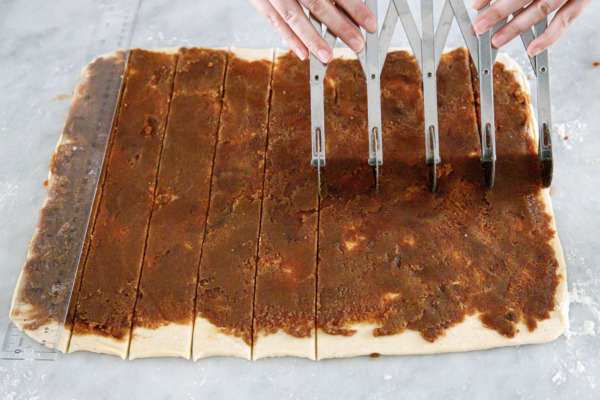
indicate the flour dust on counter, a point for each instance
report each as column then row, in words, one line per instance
column 225, row 291
column 164, row 312
column 111, row 272
column 284, row 299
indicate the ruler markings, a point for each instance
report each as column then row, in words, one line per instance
column 114, row 30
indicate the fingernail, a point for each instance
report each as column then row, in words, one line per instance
column 498, row 40
column 533, row 51
column 323, row 55
column 356, row 44
column 300, row 53
column 481, row 26
column 475, row 4
column 370, row 24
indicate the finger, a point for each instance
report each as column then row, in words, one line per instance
column 328, row 14
column 268, row 11
column 478, row 4
column 293, row 15
column 560, row 23
column 360, row 13
column 530, row 16
column 495, row 13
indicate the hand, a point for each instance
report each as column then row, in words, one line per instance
column 568, row 10
column 290, row 21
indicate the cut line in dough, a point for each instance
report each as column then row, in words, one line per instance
column 168, row 338
column 208, row 339
column 468, row 335
column 38, row 334
column 85, row 340
column 280, row 343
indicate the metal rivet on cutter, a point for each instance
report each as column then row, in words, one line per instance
column 427, row 48
column 372, row 73
column 317, row 102
column 424, row 48
column 541, row 70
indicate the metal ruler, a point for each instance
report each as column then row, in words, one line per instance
column 113, row 31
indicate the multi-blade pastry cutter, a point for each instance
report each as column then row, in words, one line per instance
column 427, row 47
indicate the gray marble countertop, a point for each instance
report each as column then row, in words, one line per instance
column 42, row 49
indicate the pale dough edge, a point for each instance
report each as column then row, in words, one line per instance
column 288, row 341
column 209, row 341
column 279, row 53
column 171, row 340
column 95, row 343
column 282, row 344
column 467, row 336
column 561, row 295
column 37, row 334
column 154, row 343
column 253, row 54
column 104, row 344
column 470, row 334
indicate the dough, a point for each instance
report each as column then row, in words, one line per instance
column 228, row 261
column 470, row 334
column 282, row 344
column 286, row 276
column 171, row 340
column 76, row 133
column 175, row 339
column 109, row 287
column 164, row 313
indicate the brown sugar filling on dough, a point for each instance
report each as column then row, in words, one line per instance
column 92, row 221
column 405, row 258
column 170, row 269
column 47, row 245
column 411, row 259
column 228, row 261
column 109, row 286
column 285, row 286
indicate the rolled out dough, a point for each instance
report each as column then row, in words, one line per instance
column 91, row 341
column 208, row 339
column 37, row 334
column 171, row 339
column 280, row 343
column 470, row 334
